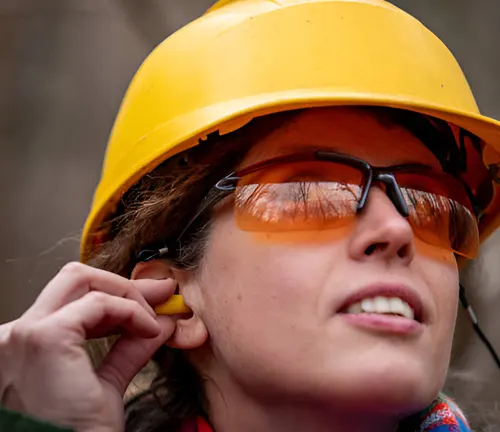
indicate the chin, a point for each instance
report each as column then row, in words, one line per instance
column 403, row 387
column 402, row 394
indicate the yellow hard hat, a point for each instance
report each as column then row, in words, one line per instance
column 248, row 58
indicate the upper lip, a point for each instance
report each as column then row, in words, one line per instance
column 402, row 291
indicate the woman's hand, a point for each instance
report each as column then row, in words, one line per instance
column 44, row 369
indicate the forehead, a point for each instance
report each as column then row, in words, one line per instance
column 359, row 132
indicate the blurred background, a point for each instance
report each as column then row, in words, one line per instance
column 64, row 67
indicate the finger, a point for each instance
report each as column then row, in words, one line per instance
column 130, row 354
column 156, row 292
column 5, row 330
column 75, row 280
column 98, row 315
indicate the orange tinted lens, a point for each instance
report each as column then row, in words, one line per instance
column 440, row 214
column 297, row 197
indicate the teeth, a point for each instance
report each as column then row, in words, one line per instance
column 354, row 308
column 383, row 305
column 397, row 306
column 408, row 311
column 367, row 305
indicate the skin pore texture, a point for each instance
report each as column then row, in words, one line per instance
column 266, row 332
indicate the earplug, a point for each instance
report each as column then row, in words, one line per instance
column 174, row 306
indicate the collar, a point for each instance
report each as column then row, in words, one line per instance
column 203, row 426
column 441, row 416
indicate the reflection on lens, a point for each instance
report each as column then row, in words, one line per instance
column 442, row 222
column 300, row 196
column 295, row 205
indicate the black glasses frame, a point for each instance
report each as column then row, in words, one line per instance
column 371, row 175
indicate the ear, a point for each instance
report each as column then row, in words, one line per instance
column 155, row 269
column 190, row 331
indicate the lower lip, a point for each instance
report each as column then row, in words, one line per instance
column 383, row 323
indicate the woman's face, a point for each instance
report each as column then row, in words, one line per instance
column 273, row 309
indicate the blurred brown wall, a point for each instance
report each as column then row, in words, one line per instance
column 64, row 66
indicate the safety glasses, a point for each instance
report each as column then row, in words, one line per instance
column 320, row 190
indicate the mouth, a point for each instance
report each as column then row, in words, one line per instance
column 394, row 307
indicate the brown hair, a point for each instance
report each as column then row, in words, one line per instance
column 151, row 213
column 155, row 211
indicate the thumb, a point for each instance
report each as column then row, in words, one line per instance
column 130, row 354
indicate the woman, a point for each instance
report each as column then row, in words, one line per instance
column 306, row 177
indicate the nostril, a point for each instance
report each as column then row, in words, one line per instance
column 373, row 247
column 370, row 249
column 404, row 251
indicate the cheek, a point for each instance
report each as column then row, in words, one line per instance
column 440, row 273
column 442, row 280
column 260, row 294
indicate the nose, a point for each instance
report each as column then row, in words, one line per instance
column 381, row 232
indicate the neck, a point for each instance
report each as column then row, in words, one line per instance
column 232, row 409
